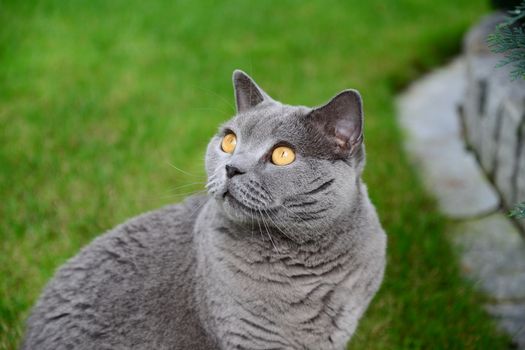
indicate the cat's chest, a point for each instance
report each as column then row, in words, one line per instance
column 322, row 318
column 253, row 299
column 249, row 308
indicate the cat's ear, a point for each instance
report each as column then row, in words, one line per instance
column 247, row 93
column 341, row 121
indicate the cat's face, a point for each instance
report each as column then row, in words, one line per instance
column 299, row 192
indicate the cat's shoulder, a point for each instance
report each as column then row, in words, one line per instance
column 171, row 217
column 171, row 224
column 143, row 239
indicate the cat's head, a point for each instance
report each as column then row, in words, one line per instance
column 293, row 168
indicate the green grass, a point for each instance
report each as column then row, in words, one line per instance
column 98, row 97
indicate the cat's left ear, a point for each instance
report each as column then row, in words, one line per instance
column 341, row 121
column 247, row 93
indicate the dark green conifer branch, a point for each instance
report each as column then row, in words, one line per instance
column 518, row 211
column 509, row 39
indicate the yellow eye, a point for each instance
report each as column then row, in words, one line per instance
column 229, row 141
column 283, row 155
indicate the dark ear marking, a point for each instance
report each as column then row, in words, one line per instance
column 341, row 122
column 247, row 93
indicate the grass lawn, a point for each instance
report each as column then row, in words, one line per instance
column 98, row 98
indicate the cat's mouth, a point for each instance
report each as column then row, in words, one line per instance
column 238, row 206
column 229, row 198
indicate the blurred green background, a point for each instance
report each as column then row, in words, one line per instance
column 98, row 98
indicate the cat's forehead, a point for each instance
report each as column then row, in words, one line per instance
column 270, row 121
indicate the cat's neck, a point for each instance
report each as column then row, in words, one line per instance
column 262, row 242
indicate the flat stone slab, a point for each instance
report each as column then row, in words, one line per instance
column 428, row 115
column 492, row 256
column 511, row 319
column 490, row 247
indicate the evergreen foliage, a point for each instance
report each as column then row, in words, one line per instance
column 518, row 211
column 509, row 39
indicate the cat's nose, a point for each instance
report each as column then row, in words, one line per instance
column 231, row 171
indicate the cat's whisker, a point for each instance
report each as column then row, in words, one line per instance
column 290, row 226
column 275, row 224
column 176, row 195
column 260, row 229
column 252, row 218
column 222, row 98
column 179, row 169
column 186, row 185
column 198, row 208
column 161, row 196
column 209, row 185
column 214, row 109
column 292, row 212
column 268, row 232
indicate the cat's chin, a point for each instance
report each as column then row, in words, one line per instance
column 236, row 210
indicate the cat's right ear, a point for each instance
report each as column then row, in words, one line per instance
column 341, row 122
column 247, row 93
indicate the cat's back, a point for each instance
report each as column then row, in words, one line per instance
column 129, row 288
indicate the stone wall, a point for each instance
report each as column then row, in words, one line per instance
column 493, row 116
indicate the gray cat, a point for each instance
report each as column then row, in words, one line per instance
column 285, row 252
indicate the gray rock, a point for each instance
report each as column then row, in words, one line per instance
column 477, row 98
column 475, row 40
column 428, row 115
column 493, row 109
column 489, row 126
column 492, row 256
column 511, row 319
column 505, row 176
column 521, row 178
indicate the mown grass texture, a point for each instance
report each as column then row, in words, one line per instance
column 98, row 98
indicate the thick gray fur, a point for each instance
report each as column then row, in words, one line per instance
column 274, row 257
